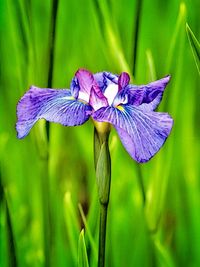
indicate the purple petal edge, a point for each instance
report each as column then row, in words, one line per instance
column 148, row 96
column 142, row 134
column 53, row 105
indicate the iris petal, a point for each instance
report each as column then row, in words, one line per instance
column 97, row 99
column 57, row 106
column 123, row 81
column 104, row 79
column 142, row 134
column 74, row 87
column 111, row 92
column 85, row 81
column 147, row 96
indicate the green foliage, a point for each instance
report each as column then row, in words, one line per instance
column 82, row 252
column 195, row 46
column 43, row 181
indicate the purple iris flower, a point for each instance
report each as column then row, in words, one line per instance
column 106, row 98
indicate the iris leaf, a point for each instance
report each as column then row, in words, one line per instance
column 82, row 252
column 195, row 46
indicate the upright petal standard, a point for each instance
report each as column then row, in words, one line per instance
column 105, row 97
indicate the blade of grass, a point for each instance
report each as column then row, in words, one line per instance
column 136, row 33
column 113, row 44
column 90, row 237
column 195, row 46
column 179, row 24
column 150, row 66
column 156, row 194
column 82, row 251
column 11, row 241
column 72, row 224
column 163, row 256
column 52, row 36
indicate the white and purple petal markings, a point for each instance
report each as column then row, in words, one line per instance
column 52, row 105
column 142, row 134
column 108, row 98
column 86, row 81
column 148, row 96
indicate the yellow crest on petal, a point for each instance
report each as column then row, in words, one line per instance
column 120, row 108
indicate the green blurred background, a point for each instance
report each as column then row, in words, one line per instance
column 48, row 189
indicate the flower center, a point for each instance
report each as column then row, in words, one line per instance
column 110, row 92
column 83, row 96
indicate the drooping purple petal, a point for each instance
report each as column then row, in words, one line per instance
column 57, row 106
column 148, row 96
column 142, row 134
column 123, row 81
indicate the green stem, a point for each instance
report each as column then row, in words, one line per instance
column 103, row 176
column 102, row 234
